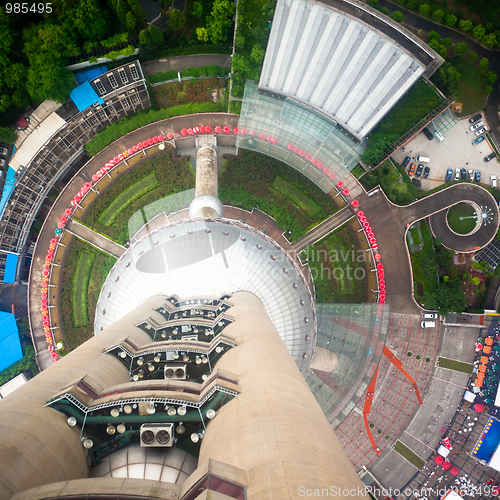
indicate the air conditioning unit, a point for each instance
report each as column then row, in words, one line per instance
column 175, row 372
column 158, row 435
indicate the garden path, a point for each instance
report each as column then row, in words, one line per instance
column 95, row 239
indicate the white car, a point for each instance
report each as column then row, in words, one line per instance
column 457, row 174
column 493, row 181
column 481, row 130
column 429, row 315
column 476, row 126
column 428, row 324
column 471, row 175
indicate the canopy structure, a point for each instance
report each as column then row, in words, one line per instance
column 84, row 96
column 10, row 345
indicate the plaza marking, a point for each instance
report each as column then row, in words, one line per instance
column 447, row 382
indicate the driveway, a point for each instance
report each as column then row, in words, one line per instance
column 456, row 151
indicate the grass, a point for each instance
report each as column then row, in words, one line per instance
column 126, row 197
column 205, row 49
column 452, row 364
column 358, row 171
column 405, row 452
column 424, row 273
column 80, row 286
column 296, row 195
column 337, row 273
column 472, row 93
column 172, row 178
column 190, row 91
column 415, row 236
column 246, row 182
column 419, row 101
column 461, row 226
column 102, row 264
column 235, row 107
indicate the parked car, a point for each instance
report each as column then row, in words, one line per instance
column 427, row 171
column 477, row 176
column 4, row 151
column 429, row 315
column 418, row 173
column 449, row 175
column 476, row 126
column 493, row 180
column 412, row 169
column 471, row 175
column 428, row 134
column 428, row 324
column 489, row 157
column 406, row 161
column 475, row 118
column 457, row 174
column 475, row 142
column 2, row 162
column 463, row 174
column 482, row 130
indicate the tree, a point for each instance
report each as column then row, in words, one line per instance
column 438, row 47
column 239, row 41
column 155, row 34
column 488, row 89
column 490, row 40
column 202, row 34
column 131, row 21
column 438, row 15
column 446, row 297
column 197, row 9
column 460, row 49
column 475, row 280
column 412, row 4
column 447, row 78
column 121, row 11
column 385, row 11
column 437, row 242
column 257, row 54
column 450, row 20
column 374, row 153
column 484, row 63
column 491, row 77
column 433, row 35
column 478, row 32
column 465, row 24
column 472, row 55
column 424, row 9
column 219, row 20
column 7, row 135
column 176, row 19
column 397, row 16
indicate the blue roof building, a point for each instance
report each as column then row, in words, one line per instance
column 10, row 345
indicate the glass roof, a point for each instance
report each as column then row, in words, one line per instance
column 207, row 258
column 356, row 333
column 303, row 138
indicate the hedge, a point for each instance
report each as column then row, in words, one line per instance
column 80, row 286
column 126, row 197
column 130, row 123
column 26, row 363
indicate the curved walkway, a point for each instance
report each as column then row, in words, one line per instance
column 74, row 186
column 418, row 22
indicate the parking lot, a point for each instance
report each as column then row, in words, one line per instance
column 456, row 151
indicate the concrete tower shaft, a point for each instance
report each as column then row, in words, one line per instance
column 275, row 429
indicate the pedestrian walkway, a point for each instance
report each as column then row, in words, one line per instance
column 95, row 239
column 324, row 228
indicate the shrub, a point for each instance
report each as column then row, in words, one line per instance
column 484, row 63
column 460, row 48
column 385, row 11
column 397, row 16
column 26, row 363
column 478, row 32
column 438, row 15
column 465, row 24
column 472, row 55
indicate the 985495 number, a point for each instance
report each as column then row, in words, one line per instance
column 24, row 8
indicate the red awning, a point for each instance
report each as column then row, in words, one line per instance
column 22, row 123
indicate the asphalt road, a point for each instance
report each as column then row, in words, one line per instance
column 427, row 25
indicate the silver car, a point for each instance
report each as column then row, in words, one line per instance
column 481, row 130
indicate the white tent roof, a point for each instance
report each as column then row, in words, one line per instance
column 12, row 385
column 452, row 495
column 336, row 64
column 443, row 451
column 495, row 460
column 497, row 397
column 36, row 140
column 469, row 396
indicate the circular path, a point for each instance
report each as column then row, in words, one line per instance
column 472, row 241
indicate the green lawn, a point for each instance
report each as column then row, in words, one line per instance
column 296, row 195
column 126, row 197
column 100, row 267
column 472, row 96
column 358, row 171
column 235, row 107
column 424, row 265
column 415, row 236
column 405, row 452
column 452, row 364
column 336, row 268
column 80, row 287
column 461, row 226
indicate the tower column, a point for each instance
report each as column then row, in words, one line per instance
column 275, row 429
